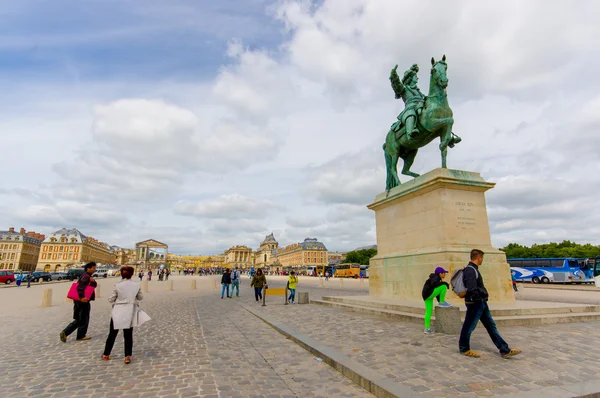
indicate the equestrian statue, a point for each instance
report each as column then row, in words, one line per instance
column 423, row 119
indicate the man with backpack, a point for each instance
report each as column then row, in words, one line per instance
column 434, row 287
column 235, row 281
column 476, row 297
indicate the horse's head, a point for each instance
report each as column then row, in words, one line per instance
column 438, row 72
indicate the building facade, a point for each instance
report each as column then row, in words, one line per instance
column 69, row 247
column 335, row 257
column 123, row 256
column 151, row 253
column 19, row 251
column 266, row 255
column 241, row 256
column 311, row 252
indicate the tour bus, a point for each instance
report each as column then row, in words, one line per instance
column 347, row 270
column 549, row 270
column 311, row 270
column 590, row 267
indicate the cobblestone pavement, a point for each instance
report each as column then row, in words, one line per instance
column 553, row 355
column 195, row 345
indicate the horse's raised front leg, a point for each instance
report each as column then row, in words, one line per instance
column 409, row 158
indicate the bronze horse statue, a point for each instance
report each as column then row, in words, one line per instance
column 433, row 120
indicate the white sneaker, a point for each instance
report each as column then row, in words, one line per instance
column 429, row 331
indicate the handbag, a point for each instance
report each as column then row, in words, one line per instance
column 74, row 295
column 142, row 317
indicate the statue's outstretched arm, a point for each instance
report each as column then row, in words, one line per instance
column 397, row 85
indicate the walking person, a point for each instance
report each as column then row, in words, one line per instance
column 477, row 310
column 292, row 283
column 235, row 281
column 141, row 275
column 29, row 276
column 168, row 272
column 514, row 281
column 19, row 279
column 259, row 281
column 226, row 282
column 125, row 299
column 149, row 274
column 81, row 307
column 326, row 275
column 434, row 287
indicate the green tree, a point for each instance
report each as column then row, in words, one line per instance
column 565, row 248
column 360, row 256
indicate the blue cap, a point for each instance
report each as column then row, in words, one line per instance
column 440, row 270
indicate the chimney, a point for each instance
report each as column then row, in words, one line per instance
column 22, row 231
column 11, row 229
column 30, row 234
column 42, row 236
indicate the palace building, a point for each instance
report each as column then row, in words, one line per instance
column 266, row 255
column 241, row 256
column 308, row 253
column 69, row 247
column 19, row 251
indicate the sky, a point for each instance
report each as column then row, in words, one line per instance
column 207, row 124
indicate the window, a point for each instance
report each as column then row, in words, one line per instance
column 557, row 263
column 54, row 256
column 542, row 263
column 45, row 248
column 75, row 256
column 64, row 256
column 43, row 256
column 515, row 263
column 61, row 248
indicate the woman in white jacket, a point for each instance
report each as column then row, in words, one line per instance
column 125, row 299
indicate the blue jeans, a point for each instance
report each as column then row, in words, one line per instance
column 292, row 295
column 480, row 312
column 235, row 285
column 258, row 293
column 225, row 286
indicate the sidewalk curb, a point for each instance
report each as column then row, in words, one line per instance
column 367, row 378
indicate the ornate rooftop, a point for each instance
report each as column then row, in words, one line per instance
column 17, row 237
column 69, row 233
column 269, row 239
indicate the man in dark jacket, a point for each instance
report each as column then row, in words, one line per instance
column 226, row 282
column 434, row 287
column 81, row 308
column 477, row 309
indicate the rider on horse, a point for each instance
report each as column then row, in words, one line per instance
column 413, row 99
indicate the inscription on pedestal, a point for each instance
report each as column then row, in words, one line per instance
column 466, row 217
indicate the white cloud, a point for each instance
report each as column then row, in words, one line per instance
column 230, row 207
column 299, row 127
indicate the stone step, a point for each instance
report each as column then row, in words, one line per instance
column 510, row 320
column 419, row 308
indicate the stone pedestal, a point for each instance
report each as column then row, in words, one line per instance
column 434, row 220
column 447, row 320
column 303, row 298
column 46, row 298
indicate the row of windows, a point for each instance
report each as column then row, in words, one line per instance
column 8, row 256
column 8, row 246
column 7, row 266
column 58, row 256
column 63, row 240
column 61, row 249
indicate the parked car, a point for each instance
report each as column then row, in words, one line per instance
column 45, row 276
column 100, row 273
column 7, row 276
column 58, row 276
column 74, row 273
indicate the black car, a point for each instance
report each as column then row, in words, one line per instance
column 45, row 276
column 75, row 273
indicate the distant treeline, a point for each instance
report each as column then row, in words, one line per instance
column 359, row 256
column 564, row 249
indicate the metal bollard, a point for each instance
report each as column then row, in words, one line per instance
column 194, row 284
column 46, row 298
column 264, row 291
column 145, row 286
column 170, row 286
